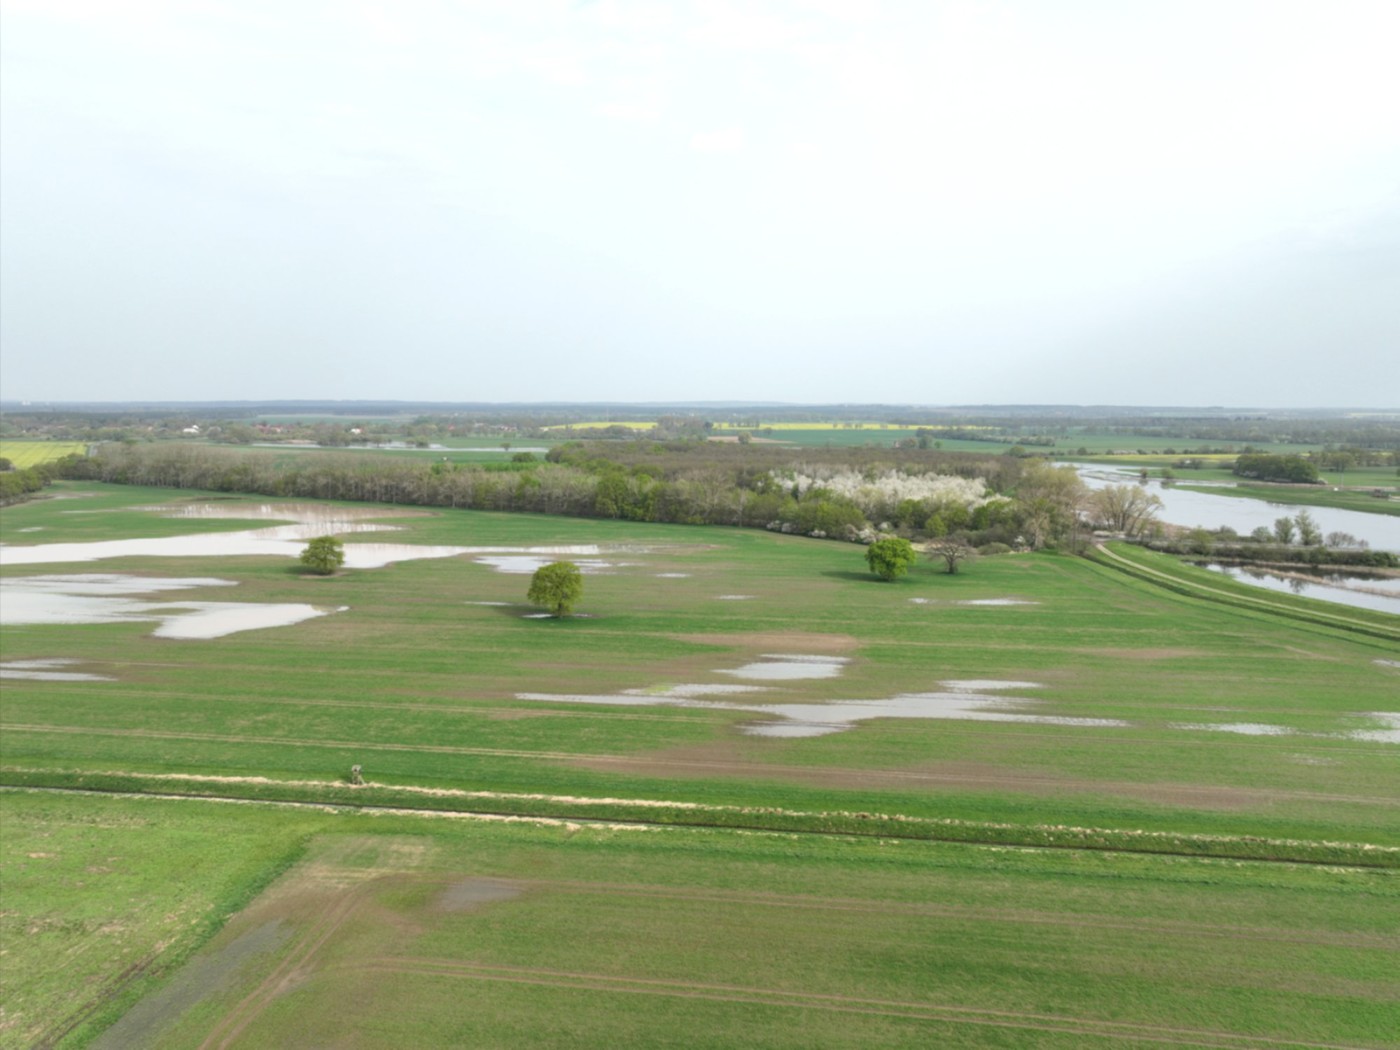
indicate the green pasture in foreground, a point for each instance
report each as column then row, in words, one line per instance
column 412, row 931
column 789, row 939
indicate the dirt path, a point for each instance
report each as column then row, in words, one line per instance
column 826, row 776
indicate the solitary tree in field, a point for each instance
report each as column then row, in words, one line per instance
column 556, row 586
column 951, row 552
column 891, row 557
column 323, row 555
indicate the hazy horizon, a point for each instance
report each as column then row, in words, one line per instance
column 942, row 203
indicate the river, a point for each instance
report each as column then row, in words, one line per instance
column 1207, row 510
column 1211, row 511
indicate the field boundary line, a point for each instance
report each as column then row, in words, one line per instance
column 944, row 1013
column 975, row 912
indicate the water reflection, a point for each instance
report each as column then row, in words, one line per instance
column 1210, row 511
column 1379, row 593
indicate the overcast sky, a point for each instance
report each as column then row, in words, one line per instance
column 1190, row 202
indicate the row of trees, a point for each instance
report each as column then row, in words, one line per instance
column 890, row 557
column 1039, row 504
column 16, row 485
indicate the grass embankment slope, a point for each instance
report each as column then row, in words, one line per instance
column 917, row 940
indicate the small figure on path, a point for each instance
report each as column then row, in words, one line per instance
column 357, row 775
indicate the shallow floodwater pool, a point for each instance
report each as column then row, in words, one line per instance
column 970, row 699
column 1359, row 591
column 301, row 522
column 110, row 598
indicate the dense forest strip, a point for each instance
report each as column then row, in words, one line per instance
column 838, row 493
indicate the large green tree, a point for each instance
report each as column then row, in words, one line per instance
column 890, row 557
column 323, row 555
column 556, row 586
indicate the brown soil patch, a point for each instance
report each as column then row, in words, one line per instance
column 779, row 641
column 733, row 439
column 726, row 759
column 1143, row 654
column 467, row 894
column 507, row 715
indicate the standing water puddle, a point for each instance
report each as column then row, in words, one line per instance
column 106, row 598
column 46, row 671
column 304, row 521
column 1360, row 591
column 785, row 667
column 968, row 699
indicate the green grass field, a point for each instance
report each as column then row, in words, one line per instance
column 26, row 454
column 800, row 894
column 414, row 932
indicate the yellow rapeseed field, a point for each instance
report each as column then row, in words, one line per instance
column 24, row 454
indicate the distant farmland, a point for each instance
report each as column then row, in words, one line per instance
column 25, row 454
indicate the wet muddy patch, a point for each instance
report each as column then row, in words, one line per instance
column 696, row 689
column 201, row 978
column 1242, row 728
column 786, row 641
column 1143, row 654
column 1387, row 733
column 523, row 564
column 469, row 894
column 1384, row 729
column 962, row 699
column 49, row 670
column 972, row 601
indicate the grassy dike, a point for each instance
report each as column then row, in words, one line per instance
column 1192, row 581
column 767, row 818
